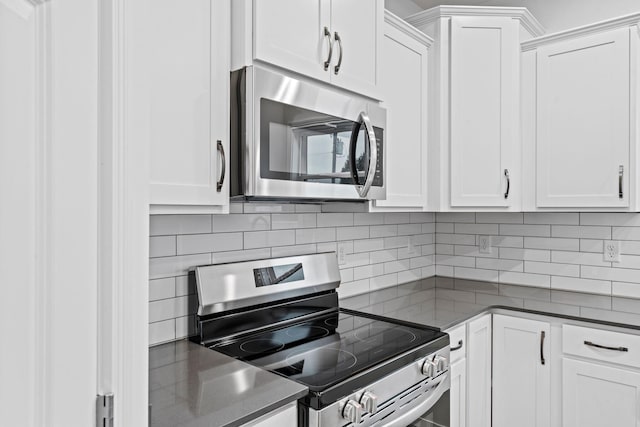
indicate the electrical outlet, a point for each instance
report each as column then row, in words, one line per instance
column 612, row 251
column 342, row 253
column 411, row 245
column 484, row 244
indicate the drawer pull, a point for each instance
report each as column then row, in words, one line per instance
column 590, row 344
column 542, row 335
column 458, row 347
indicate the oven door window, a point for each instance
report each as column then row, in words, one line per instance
column 437, row 416
column 303, row 145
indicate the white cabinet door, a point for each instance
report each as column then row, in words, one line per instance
column 188, row 78
column 404, row 90
column 479, row 372
column 291, row 34
column 521, row 372
column 357, row 27
column 583, row 134
column 458, row 393
column 594, row 395
column 484, row 110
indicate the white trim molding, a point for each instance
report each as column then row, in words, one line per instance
column 527, row 20
column 598, row 27
column 400, row 24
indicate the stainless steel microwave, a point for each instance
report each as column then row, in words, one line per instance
column 294, row 139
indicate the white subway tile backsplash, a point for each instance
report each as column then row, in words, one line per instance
column 160, row 225
column 602, row 287
column 266, row 239
column 288, row 221
column 542, row 261
column 203, row 243
column 585, row 232
column 525, row 230
column 244, row 222
column 162, row 246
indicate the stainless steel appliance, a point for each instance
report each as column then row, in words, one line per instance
column 361, row 369
column 297, row 139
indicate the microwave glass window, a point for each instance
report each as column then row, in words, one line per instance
column 305, row 145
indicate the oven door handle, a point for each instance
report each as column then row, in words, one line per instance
column 414, row 413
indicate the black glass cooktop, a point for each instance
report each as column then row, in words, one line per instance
column 329, row 349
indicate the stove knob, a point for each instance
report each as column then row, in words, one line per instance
column 429, row 368
column 352, row 412
column 442, row 363
column 369, row 402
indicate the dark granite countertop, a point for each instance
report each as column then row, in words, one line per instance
column 191, row 385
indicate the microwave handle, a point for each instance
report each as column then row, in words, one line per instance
column 363, row 189
column 373, row 159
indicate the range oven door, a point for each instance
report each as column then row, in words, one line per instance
column 439, row 415
column 305, row 140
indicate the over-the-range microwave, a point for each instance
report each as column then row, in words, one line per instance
column 294, row 139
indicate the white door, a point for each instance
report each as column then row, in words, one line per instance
column 521, row 372
column 582, row 148
column 187, row 47
column 404, row 87
column 484, row 110
column 594, row 395
column 458, row 393
column 49, row 212
column 294, row 34
column 357, row 27
column 479, row 372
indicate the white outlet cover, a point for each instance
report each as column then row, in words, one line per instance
column 484, row 244
column 342, row 253
column 611, row 251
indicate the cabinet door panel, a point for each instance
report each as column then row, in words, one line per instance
column 290, row 34
column 359, row 24
column 583, row 121
column 521, row 373
column 458, row 393
column 188, row 100
column 479, row 372
column 404, row 86
column 594, row 395
column 484, row 91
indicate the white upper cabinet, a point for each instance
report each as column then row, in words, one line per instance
column 336, row 41
column 183, row 62
column 403, row 73
column 521, row 372
column 474, row 100
column 580, row 118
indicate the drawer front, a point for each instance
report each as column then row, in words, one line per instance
column 458, row 342
column 601, row 345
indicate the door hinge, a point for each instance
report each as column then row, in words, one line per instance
column 104, row 410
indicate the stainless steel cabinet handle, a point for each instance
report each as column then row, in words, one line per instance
column 506, row 174
column 542, row 334
column 224, row 166
column 458, row 347
column 620, row 175
column 590, row 344
column 327, row 33
column 337, row 38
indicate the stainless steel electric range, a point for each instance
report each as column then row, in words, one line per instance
column 283, row 315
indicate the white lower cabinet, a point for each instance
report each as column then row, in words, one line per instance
column 521, row 372
column 458, row 372
column 595, row 395
column 287, row 416
column 479, row 372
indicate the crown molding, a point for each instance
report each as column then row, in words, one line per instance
column 609, row 24
column 408, row 29
column 527, row 20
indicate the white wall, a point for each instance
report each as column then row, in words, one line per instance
column 554, row 15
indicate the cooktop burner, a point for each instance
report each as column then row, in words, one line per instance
column 329, row 348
